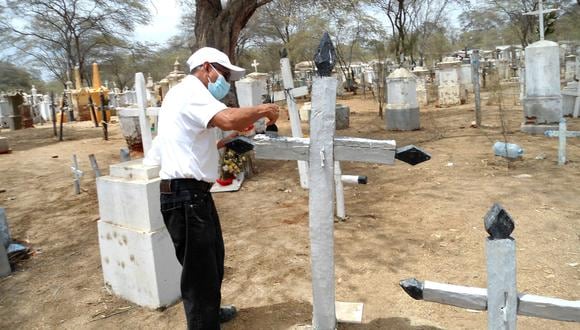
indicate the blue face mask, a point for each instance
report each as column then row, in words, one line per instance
column 220, row 88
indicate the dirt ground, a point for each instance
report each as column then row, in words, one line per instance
column 424, row 221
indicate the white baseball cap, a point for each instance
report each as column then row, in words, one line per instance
column 212, row 55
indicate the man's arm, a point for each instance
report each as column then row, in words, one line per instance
column 239, row 118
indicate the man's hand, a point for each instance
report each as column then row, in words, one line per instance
column 270, row 111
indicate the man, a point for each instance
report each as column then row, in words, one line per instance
column 186, row 148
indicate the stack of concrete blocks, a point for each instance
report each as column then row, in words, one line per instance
column 5, row 239
column 570, row 68
column 543, row 99
column 402, row 106
column 422, row 92
column 342, row 118
column 137, row 254
column 4, row 145
column 449, row 85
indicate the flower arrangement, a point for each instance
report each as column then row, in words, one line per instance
column 232, row 166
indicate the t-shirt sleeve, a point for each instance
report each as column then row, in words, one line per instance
column 203, row 113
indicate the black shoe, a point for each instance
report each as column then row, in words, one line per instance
column 227, row 313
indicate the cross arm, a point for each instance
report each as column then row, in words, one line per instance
column 569, row 134
column 345, row 149
column 476, row 298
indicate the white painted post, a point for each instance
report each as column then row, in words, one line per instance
column 77, row 173
column 475, row 79
column 562, row 142
column 321, row 199
column 502, row 295
column 294, row 117
column 141, row 92
column 340, row 209
column 95, row 165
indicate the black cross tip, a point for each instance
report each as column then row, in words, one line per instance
column 498, row 223
column 283, row 53
column 325, row 57
column 413, row 288
column 412, row 155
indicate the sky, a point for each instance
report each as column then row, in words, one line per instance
column 166, row 15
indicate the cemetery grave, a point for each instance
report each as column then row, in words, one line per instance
column 386, row 238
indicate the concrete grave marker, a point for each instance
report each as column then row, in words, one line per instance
column 448, row 80
column 137, row 254
column 543, row 99
column 402, row 106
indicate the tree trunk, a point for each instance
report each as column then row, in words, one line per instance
column 220, row 27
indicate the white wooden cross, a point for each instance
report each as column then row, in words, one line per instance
column 322, row 151
column 540, row 12
column 255, row 65
column 290, row 93
column 501, row 299
column 562, row 133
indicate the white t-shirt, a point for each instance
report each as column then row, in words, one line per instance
column 185, row 147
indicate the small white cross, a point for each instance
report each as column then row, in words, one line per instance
column 540, row 12
column 255, row 65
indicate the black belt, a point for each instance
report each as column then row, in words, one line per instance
column 174, row 185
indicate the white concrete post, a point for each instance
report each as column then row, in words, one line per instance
column 340, row 209
column 141, row 92
column 475, row 80
column 321, row 158
column 562, row 142
column 294, row 117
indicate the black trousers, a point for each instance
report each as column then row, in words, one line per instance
column 191, row 218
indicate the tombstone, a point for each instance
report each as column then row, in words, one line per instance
column 137, row 255
column 4, row 145
column 542, row 100
column 129, row 122
column 465, row 78
column 422, row 92
column 402, row 107
column 570, row 68
column 342, row 116
column 14, row 118
column 249, row 92
column 449, row 86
